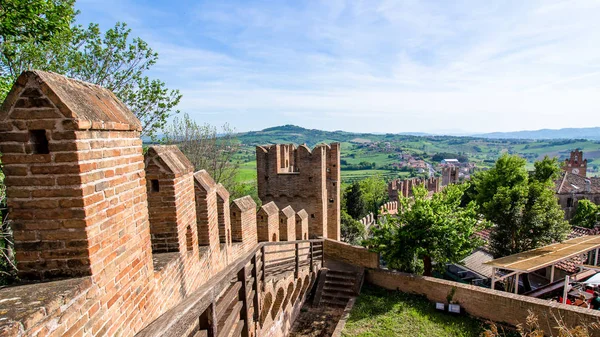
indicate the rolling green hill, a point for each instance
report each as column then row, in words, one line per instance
column 377, row 152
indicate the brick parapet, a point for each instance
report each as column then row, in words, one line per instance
column 287, row 224
column 494, row 305
column 85, row 207
column 243, row 221
column 301, row 225
column 267, row 222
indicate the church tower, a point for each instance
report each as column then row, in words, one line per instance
column 576, row 164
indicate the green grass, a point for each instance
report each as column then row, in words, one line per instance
column 380, row 312
column 246, row 172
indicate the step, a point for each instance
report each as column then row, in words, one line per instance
column 336, row 297
column 341, row 272
column 340, row 282
column 342, row 276
column 334, row 288
column 334, row 303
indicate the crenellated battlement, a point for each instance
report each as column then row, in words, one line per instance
column 305, row 179
column 124, row 237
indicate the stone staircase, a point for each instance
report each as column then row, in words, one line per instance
column 337, row 287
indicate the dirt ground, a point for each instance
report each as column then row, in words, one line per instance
column 316, row 322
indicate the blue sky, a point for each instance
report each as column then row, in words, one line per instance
column 373, row 65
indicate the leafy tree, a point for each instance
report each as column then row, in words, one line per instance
column 374, row 193
column 355, row 203
column 546, row 169
column 114, row 60
column 206, row 147
column 522, row 206
column 352, row 231
column 587, row 214
column 32, row 23
column 428, row 229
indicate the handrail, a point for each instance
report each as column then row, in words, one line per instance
column 178, row 320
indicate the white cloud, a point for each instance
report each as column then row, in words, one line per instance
column 384, row 66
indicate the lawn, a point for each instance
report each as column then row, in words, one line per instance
column 380, row 312
column 246, row 172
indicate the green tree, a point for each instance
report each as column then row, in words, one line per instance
column 587, row 214
column 352, row 231
column 428, row 229
column 114, row 60
column 374, row 193
column 355, row 202
column 547, row 169
column 521, row 205
column 29, row 25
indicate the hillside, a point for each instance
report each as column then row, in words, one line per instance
column 365, row 154
column 567, row 133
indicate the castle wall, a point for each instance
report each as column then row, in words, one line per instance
column 404, row 188
column 134, row 235
column 484, row 303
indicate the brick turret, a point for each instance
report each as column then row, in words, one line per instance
column 74, row 169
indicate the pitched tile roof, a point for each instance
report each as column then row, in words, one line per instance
column 574, row 183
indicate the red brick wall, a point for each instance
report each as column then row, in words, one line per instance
column 82, row 209
column 243, row 221
column 287, row 224
column 481, row 302
column 355, row 255
column 309, row 181
column 301, row 225
column 267, row 223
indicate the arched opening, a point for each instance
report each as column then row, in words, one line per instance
column 305, row 285
column 288, row 296
column 277, row 303
column 274, row 237
column 297, row 291
column 268, row 300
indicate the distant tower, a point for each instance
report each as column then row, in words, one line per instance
column 576, row 164
column 303, row 179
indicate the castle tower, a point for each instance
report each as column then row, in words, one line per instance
column 576, row 164
column 303, row 179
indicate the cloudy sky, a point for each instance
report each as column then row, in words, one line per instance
column 373, row 65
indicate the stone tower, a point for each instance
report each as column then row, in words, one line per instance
column 576, row 164
column 303, row 179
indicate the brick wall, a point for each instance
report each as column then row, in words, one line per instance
column 403, row 188
column 481, row 302
column 355, row 255
column 303, row 179
column 136, row 235
column 243, row 221
column 301, row 225
column 267, row 222
column 170, row 190
column 287, row 224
